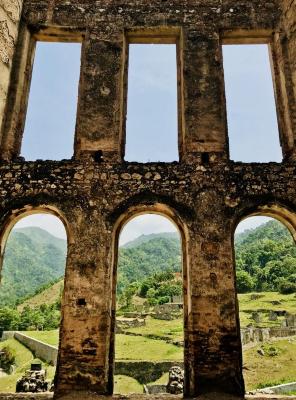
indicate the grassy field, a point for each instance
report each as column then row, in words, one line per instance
column 126, row 385
column 265, row 301
column 48, row 296
column 127, row 347
column 49, row 337
column 259, row 371
column 23, row 361
column 171, row 329
column 263, row 371
column 174, row 328
column 141, row 348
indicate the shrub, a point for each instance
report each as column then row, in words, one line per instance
column 7, row 358
column 271, row 350
column 287, row 287
column 244, row 282
column 163, row 300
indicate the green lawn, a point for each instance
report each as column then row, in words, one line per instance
column 288, row 301
column 258, row 370
column 264, row 302
column 140, row 348
column 171, row 329
column 125, row 385
column 127, row 347
column 263, row 371
column 49, row 337
column 163, row 380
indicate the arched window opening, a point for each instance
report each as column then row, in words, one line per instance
column 30, row 302
column 149, row 318
column 265, row 254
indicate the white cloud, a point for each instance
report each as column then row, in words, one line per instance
column 140, row 225
column 251, row 223
column 48, row 222
column 144, row 225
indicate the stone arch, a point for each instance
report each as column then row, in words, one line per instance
column 280, row 212
column 17, row 214
column 277, row 211
column 125, row 217
column 14, row 215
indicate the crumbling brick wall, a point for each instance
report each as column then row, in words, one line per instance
column 96, row 192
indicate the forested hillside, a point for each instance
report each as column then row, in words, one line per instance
column 266, row 259
column 33, row 258
column 148, row 255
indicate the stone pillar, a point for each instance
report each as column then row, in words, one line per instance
column 213, row 354
column 83, row 361
column 99, row 121
column 10, row 13
column 285, row 68
column 289, row 23
column 204, row 125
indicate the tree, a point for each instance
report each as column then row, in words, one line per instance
column 151, row 294
column 244, row 282
column 9, row 319
column 129, row 293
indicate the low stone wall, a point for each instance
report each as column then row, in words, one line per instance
column 92, row 396
column 155, row 389
column 282, row 332
column 41, row 350
column 145, row 371
column 258, row 335
column 7, row 335
column 124, row 323
column 283, row 389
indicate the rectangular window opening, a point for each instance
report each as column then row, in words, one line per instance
column 52, row 106
column 152, row 104
column 251, row 109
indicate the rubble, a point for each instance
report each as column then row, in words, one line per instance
column 33, row 381
column 176, row 381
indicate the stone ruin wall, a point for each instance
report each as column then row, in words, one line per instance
column 10, row 12
column 95, row 193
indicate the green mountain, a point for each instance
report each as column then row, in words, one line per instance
column 33, row 258
column 271, row 230
column 147, row 255
column 146, row 238
column 42, row 236
column 266, row 259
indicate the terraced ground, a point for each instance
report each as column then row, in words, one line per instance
column 155, row 343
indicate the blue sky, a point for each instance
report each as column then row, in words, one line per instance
column 251, row 114
column 152, row 104
column 51, row 116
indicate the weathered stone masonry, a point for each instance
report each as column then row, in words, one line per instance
column 96, row 192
